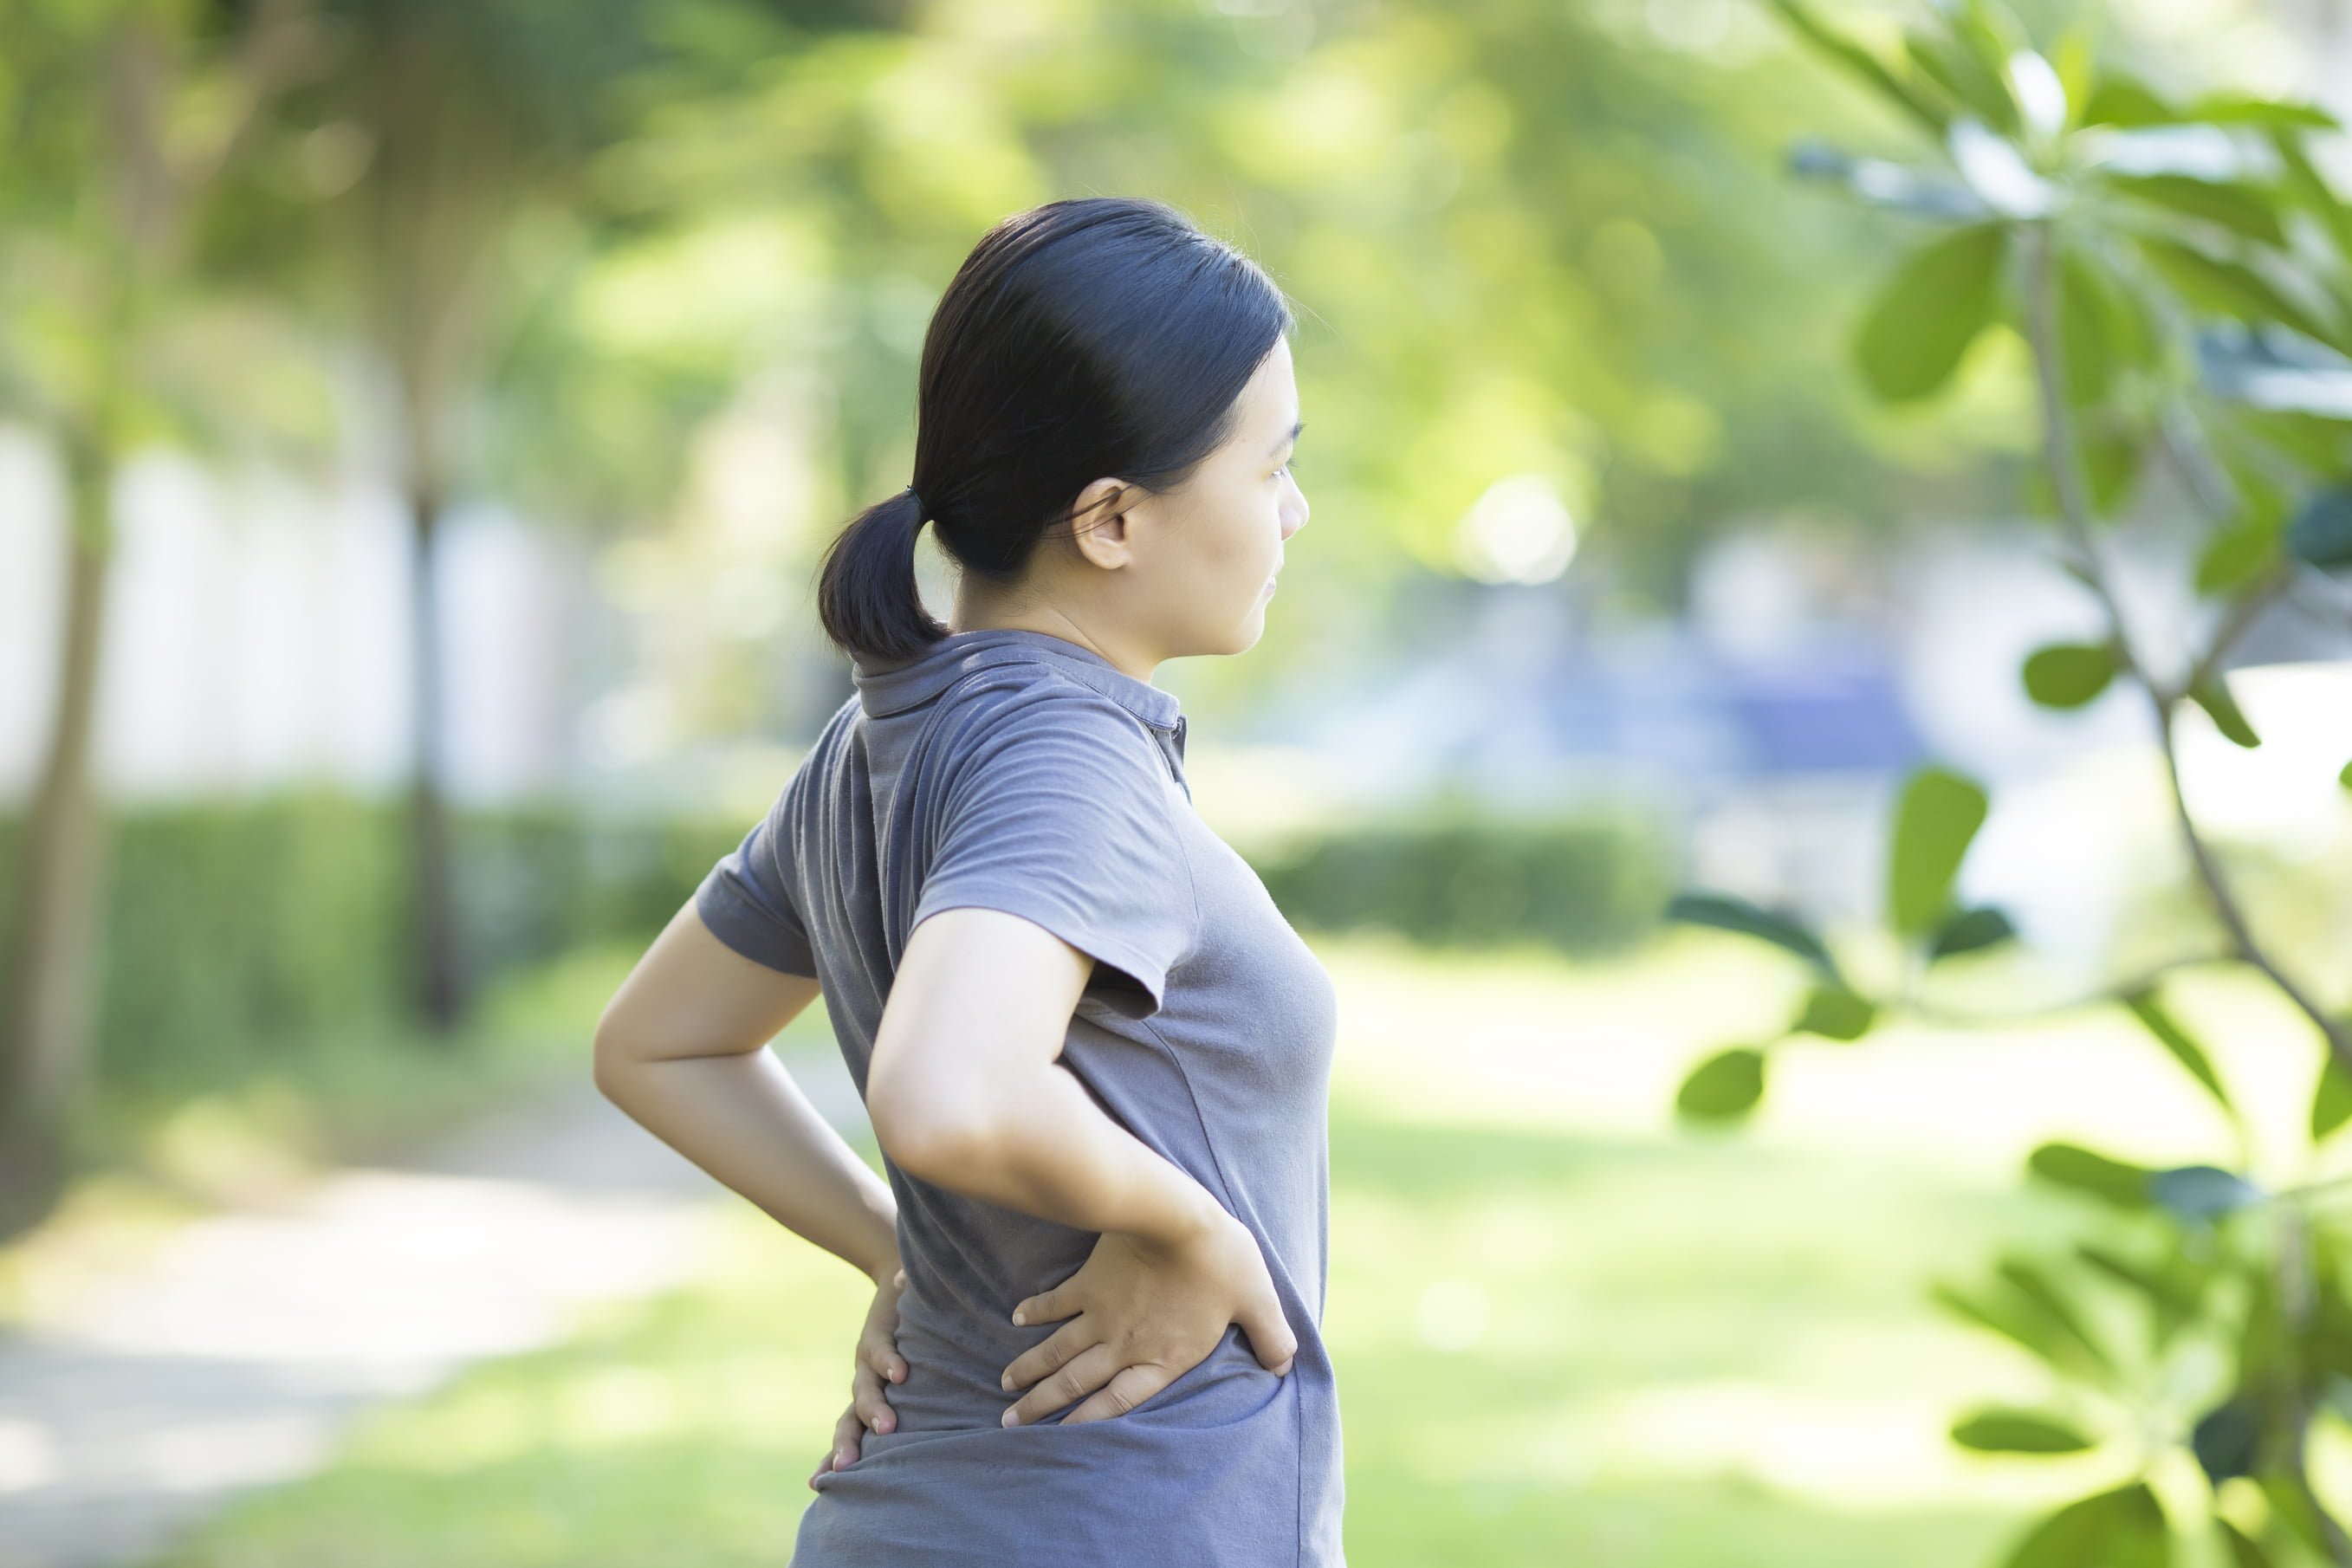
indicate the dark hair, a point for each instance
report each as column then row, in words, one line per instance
column 1101, row 335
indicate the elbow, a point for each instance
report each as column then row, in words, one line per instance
column 602, row 1074
column 608, row 1061
column 926, row 1139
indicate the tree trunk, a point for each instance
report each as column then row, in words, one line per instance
column 45, row 1003
column 441, row 981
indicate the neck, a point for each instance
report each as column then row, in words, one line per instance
column 976, row 611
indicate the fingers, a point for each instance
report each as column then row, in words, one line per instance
column 847, row 1434
column 1046, row 1307
column 1122, row 1393
column 868, row 1405
column 876, row 1352
column 1092, row 1368
column 1048, row 1354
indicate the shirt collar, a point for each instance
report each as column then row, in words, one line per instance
column 889, row 688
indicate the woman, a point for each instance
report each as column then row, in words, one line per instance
column 1094, row 1054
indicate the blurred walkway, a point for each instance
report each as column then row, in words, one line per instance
column 235, row 1355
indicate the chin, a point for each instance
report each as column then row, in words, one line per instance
column 1240, row 636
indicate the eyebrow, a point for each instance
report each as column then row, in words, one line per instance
column 1289, row 435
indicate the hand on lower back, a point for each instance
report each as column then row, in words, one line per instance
column 1140, row 1316
column 876, row 1365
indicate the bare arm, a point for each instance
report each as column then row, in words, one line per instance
column 680, row 1048
column 966, row 1090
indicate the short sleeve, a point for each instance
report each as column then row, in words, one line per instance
column 744, row 902
column 1060, row 814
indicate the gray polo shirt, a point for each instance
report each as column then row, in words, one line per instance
column 1013, row 770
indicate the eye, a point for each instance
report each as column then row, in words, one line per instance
column 1287, row 466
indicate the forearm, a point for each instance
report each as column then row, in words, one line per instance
column 742, row 1118
column 1045, row 1148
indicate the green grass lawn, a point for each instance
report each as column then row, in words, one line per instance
column 1567, row 1329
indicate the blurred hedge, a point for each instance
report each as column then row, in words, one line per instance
column 1453, row 875
column 243, row 931
column 249, row 930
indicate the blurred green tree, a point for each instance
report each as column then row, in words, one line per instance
column 121, row 122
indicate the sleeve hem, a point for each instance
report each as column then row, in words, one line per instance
column 1134, row 1002
column 751, row 931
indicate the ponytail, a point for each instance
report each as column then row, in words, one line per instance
column 866, row 593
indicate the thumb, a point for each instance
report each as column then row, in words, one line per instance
column 1270, row 1337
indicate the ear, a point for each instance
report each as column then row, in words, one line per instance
column 1100, row 522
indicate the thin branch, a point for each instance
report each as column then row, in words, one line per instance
column 2183, row 444
column 2065, row 460
column 2243, row 610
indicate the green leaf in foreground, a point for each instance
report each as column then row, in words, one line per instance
column 2331, row 1102
column 1937, row 817
column 1999, row 1429
column 2120, row 1528
column 2227, row 1439
column 2234, row 555
column 2228, row 288
column 1835, row 1013
column 1969, row 930
column 2203, row 1191
column 2031, row 1313
column 1933, row 308
column 2289, row 1504
column 1878, row 73
column 2312, row 189
column 2227, row 107
column 2118, row 1182
column 1729, row 911
column 2244, row 1551
column 2042, row 1294
column 2099, row 327
column 2241, row 208
column 2125, row 100
column 2174, row 1288
column 2213, row 694
column 2069, row 674
column 1726, row 1086
column 2151, row 1013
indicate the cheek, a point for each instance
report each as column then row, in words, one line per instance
column 1245, row 526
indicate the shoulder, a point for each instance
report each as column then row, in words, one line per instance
column 1028, row 710
column 821, row 758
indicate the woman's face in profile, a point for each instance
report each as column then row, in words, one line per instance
column 1193, row 567
column 1223, row 543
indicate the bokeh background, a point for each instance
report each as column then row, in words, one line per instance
column 419, row 425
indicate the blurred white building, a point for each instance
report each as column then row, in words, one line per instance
column 259, row 635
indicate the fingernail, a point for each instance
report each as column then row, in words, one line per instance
column 1013, row 1417
column 1018, row 1320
